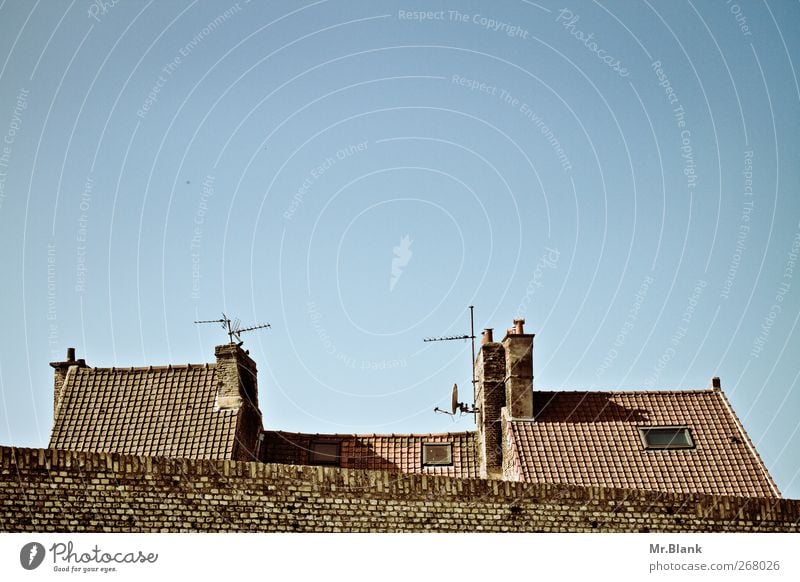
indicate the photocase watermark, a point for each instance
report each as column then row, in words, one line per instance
column 783, row 289
column 318, row 171
column 401, row 256
column 627, row 326
column 347, row 360
column 99, row 8
column 540, row 124
column 52, row 311
column 549, row 260
column 744, row 226
column 510, row 30
column 687, row 153
column 508, row 99
column 171, row 67
column 741, row 19
column 568, row 20
column 66, row 558
column 82, row 235
column 31, row 555
column 8, row 139
column 679, row 334
column 207, row 192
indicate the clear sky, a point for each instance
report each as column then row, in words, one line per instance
column 624, row 176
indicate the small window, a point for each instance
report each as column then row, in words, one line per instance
column 666, row 437
column 436, row 454
column 324, row 453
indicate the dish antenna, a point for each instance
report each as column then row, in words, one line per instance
column 233, row 328
column 456, row 406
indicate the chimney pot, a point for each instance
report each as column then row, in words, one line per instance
column 715, row 383
column 487, row 336
column 518, row 326
column 70, row 354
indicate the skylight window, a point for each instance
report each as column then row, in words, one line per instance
column 666, row 437
column 437, row 454
column 324, row 453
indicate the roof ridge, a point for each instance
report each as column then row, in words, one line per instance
column 643, row 391
column 114, row 369
column 373, row 435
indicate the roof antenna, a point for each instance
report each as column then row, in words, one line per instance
column 455, row 405
column 233, row 329
column 471, row 336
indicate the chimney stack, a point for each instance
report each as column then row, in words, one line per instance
column 61, row 369
column 490, row 367
column 238, row 390
column 503, row 380
column 519, row 371
column 716, row 384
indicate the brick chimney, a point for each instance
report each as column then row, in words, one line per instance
column 238, row 390
column 519, row 371
column 490, row 372
column 503, row 390
column 60, row 376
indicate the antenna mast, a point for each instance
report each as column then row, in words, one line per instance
column 471, row 336
column 233, row 329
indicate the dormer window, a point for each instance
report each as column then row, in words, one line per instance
column 666, row 437
column 323, row 453
column 437, row 454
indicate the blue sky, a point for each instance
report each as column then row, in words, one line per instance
column 623, row 176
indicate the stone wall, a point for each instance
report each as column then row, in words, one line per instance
column 50, row 490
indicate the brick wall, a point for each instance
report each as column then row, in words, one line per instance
column 50, row 490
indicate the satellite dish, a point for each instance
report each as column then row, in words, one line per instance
column 456, row 406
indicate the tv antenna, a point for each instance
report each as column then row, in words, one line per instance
column 471, row 336
column 456, row 406
column 233, row 327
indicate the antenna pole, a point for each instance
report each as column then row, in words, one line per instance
column 472, row 337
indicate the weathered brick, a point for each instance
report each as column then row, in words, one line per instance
column 154, row 494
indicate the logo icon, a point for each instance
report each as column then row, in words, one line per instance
column 31, row 555
column 402, row 254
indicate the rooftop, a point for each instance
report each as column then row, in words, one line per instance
column 605, row 439
column 593, row 438
column 158, row 411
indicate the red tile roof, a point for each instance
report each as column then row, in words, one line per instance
column 592, row 438
column 402, row 453
column 155, row 411
column 581, row 438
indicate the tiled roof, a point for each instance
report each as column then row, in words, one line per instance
column 156, row 411
column 592, row 438
column 402, row 453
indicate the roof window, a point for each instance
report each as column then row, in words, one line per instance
column 437, row 454
column 666, row 437
column 324, row 453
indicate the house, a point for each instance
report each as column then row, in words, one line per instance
column 675, row 441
